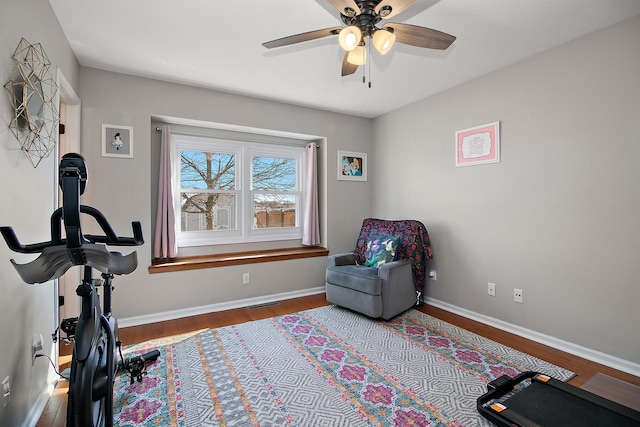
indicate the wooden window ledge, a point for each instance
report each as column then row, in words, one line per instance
column 234, row 258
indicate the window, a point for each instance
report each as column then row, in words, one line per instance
column 228, row 191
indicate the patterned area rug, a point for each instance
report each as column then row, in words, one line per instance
column 321, row 367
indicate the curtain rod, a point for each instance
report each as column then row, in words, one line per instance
column 158, row 129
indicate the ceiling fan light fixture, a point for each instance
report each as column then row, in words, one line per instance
column 383, row 40
column 349, row 38
column 357, row 56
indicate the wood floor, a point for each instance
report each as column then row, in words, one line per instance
column 54, row 414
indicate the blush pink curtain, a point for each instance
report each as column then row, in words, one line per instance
column 165, row 244
column 310, row 220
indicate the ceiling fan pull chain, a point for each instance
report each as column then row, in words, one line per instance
column 364, row 65
column 369, row 48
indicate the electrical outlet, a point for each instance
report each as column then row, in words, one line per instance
column 517, row 295
column 245, row 279
column 491, row 289
column 6, row 391
column 37, row 344
column 434, row 275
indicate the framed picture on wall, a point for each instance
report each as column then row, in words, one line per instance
column 352, row 166
column 117, row 141
column 478, row 145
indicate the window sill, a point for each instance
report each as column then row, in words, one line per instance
column 234, row 258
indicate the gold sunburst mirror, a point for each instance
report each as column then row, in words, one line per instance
column 32, row 93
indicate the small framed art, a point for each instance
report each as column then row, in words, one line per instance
column 478, row 145
column 117, row 141
column 352, row 166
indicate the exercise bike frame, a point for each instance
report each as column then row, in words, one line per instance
column 94, row 361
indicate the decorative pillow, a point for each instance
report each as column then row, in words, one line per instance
column 380, row 250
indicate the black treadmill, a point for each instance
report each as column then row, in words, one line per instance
column 532, row 399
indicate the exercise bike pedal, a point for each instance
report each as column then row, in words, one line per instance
column 137, row 366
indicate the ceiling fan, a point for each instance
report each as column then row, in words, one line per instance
column 362, row 18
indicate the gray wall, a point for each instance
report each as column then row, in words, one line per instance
column 125, row 188
column 558, row 216
column 27, row 201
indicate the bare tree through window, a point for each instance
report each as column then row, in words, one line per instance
column 274, row 186
column 209, row 191
column 206, row 179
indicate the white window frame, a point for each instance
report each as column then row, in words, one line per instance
column 244, row 151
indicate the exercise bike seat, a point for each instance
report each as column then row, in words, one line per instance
column 54, row 261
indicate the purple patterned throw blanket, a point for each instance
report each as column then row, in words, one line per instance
column 322, row 367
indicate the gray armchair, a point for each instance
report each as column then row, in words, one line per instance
column 389, row 289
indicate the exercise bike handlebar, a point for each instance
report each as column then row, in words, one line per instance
column 109, row 238
column 58, row 254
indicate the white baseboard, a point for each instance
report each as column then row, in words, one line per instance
column 211, row 308
column 36, row 410
column 578, row 350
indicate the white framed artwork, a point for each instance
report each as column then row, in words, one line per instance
column 117, row 141
column 478, row 145
column 352, row 166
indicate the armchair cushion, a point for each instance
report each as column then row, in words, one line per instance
column 356, row 277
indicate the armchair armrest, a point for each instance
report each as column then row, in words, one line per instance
column 337, row 260
column 388, row 270
column 398, row 289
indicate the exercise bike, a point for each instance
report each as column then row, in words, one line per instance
column 94, row 362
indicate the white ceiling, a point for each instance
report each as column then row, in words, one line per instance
column 217, row 44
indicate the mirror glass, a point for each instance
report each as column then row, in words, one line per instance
column 35, row 103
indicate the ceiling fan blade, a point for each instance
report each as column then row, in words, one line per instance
column 303, row 37
column 420, row 36
column 344, row 5
column 347, row 67
column 394, row 6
